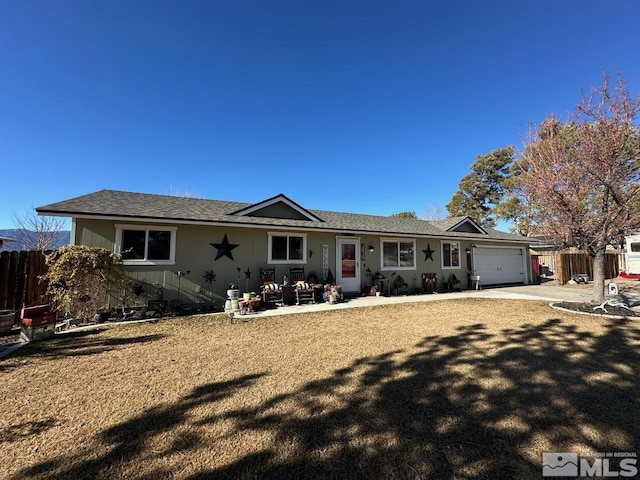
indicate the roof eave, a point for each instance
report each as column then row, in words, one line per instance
column 315, row 227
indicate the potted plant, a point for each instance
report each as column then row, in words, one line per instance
column 398, row 283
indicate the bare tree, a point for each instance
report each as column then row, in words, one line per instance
column 38, row 232
column 435, row 211
column 583, row 176
column 179, row 192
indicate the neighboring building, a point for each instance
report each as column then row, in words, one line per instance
column 4, row 240
column 19, row 239
column 159, row 236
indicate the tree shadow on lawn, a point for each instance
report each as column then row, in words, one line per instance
column 127, row 440
column 470, row 405
column 25, row 429
column 80, row 344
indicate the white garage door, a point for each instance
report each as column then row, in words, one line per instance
column 499, row 265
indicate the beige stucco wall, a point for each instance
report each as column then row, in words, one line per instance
column 413, row 277
column 195, row 253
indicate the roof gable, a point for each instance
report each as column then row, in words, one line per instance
column 279, row 206
column 463, row 225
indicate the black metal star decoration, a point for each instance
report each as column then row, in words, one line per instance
column 428, row 253
column 247, row 274
column 224, row 248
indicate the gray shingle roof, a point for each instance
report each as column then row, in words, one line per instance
column 144, row 206
column 447, row 223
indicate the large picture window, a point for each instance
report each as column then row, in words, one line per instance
column 145, row 245
column 287, row 247
column 398, row 254
column 450, row 255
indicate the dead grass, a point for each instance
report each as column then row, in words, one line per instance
column 448, row 389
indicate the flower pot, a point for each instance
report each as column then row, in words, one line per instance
column 6, row 320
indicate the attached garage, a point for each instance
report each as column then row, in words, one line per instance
column 500, row 265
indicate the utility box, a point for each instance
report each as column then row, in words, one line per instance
column 613, row 288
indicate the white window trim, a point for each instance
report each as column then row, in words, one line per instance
column 397, row 240
column 442, row 243
column 172, row 249
column 271, row 261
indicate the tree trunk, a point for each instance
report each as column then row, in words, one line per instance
column 598, row 276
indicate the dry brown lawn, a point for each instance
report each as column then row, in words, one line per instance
column 448, row 389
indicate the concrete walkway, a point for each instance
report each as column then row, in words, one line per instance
column 547, row 292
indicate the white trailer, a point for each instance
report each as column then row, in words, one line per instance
column 632, row 254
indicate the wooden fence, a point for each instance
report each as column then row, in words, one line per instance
column 20, row 282
column 569, row 265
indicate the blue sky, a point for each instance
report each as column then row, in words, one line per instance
column 370, row 107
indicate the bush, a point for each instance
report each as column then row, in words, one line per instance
column 82, row 279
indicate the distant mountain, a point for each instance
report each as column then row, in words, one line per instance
column 61, row 238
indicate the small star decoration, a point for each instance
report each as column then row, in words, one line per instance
column 224, row 248
column 247, row 274
column 428, row 253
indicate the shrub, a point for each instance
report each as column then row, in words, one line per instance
column 82, row 279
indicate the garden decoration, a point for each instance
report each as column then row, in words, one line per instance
column 429, row 282
column 224, row 248
column 210, row 277
column 611, row 302
column 247, row 277
column 428, row 253
column 180, row 274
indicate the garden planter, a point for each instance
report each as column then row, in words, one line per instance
column 36, row 316
column 7, row 318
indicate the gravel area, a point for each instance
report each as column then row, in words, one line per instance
column 608, row 309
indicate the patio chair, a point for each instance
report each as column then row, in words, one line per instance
column 429, row 283
column 304, row 291
column 270, row 291
column 453, row 283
